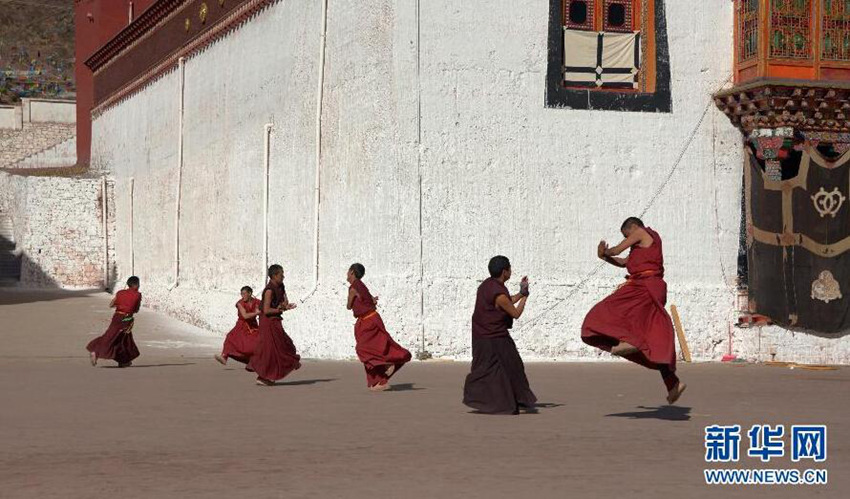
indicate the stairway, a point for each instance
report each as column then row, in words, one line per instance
column 16, row 145
column 10, row 263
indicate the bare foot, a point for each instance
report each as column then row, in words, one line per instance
column 622, row 349
column 221, row 359
column 380, row 388
column 93, row 357
column 265, row 382
column 674, row 394
column 390, row 370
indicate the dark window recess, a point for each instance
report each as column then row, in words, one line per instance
column 790, row 165
column 616, row 15
column 743, row 264
column 578, row 12
column 828, row 151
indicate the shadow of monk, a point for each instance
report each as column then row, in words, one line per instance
column 666, row 413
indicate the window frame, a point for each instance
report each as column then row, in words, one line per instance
column 656, row 98
column 598, row 21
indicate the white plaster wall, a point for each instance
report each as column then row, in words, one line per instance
column 499, row 174
column 49, row 111
column 58, row 229
column 10, row 117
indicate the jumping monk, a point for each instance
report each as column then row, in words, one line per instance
column 381, row 356
column 632, row 322
column 117, row 342
column 497, row 382
column 242, row 339
column 274, row 356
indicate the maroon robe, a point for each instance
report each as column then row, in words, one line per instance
column 496, row 383
column 274, row 356
column 635, row 313
column 117, row 342
column 241, row 341
column 375, row 347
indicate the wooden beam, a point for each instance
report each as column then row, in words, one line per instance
column 680, row 333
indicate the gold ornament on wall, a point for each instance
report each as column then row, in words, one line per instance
column 188, row 24
column 202, row 14
column 828, row 203
column 221, row 3
column 825, row 288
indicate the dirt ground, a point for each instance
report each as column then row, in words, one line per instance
column 177, row 424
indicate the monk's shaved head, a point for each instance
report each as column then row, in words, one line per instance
column 358, row 269
column 632, row 221
column 497, row 265
column 275, row 270
column 133, row 282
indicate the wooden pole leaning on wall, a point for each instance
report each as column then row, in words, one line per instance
column 680, row 333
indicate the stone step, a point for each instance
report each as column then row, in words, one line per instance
column 32, row 139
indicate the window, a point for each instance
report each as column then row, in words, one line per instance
column 619, row 16
column 790, row 29
column 578, row 15
column 608, row 54
column 600, row 15
column 616, row 16
column 835, row 29
column 748, row 25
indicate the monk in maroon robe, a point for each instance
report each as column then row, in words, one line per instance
column 274, row 356
column 632, row 322
column 381, row 356
column 117, row 342
column 497, row 383
column 240, row 342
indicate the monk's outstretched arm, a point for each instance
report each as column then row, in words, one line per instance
column 504, row 302
column 627, row 243
column 351, row 295
column 112, row 303
column 285, row 304
column 244, row 314
column 613, row 260
column 522, row 285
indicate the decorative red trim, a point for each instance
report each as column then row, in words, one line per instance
column 227, row 24
column 140, row 27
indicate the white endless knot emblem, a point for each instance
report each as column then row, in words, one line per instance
column 828, row 203
column 825, row 288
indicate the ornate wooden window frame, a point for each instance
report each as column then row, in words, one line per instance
column 654, row 94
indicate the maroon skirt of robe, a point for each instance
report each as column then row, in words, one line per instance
column 274, row 356
column 115, row 344
column 377, row 350
column 240, row 342
column 497, row 383
column 634, row 313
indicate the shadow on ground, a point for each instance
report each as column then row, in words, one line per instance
column 665, row 412
column 17, row 296
column 136, row 366
column 304, row 382
column 404, row 387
